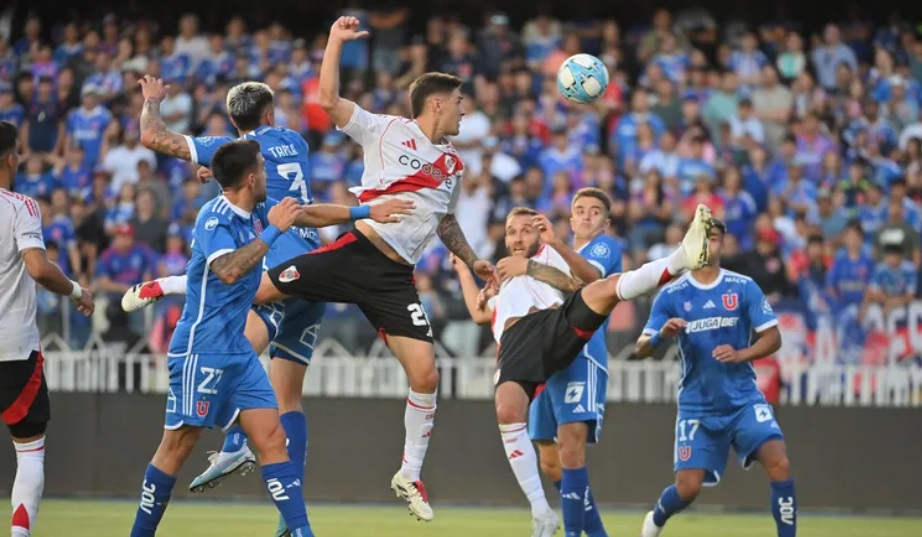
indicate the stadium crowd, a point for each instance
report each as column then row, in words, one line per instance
column 808, row 145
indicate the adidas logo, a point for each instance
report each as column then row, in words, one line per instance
column 515, row 454
column 579, row 409
column 709, row 305
column 572, row 496
column 411, row 143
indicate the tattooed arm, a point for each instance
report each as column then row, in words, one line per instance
column 553, row 277
column 154, row 134
column 450, row 232
column 230, row 267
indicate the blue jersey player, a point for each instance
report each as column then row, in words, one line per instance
column 723, row 322
column 215, row 376
column 571, row 407
column 291, row 325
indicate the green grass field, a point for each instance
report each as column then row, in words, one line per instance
column 91, row 518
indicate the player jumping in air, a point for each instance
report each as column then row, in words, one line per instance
column 714, row 313
column 291, row 325
column 408, row 159
column 571, row 407
column 24, row 404
column 539, row 333
column 215, row 375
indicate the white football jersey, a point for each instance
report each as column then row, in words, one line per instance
column 517, row 296
column 401, row 162
column 21, row 223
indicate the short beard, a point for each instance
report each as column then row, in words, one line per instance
column 533, row 250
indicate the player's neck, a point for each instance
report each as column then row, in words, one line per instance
column 706, row 275
column 6, row 181
column 240, row 199
column 430, row 128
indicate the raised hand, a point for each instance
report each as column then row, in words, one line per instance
column 389, row 211
column 204, row 174
column 152, row 88
column 545, row 229
column 347, row 29
column 284, row 214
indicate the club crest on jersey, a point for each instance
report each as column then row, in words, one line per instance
column 258, row 226
column 600, row 250
column 201, row 408
column 687, row 306
column 289, row 275
column 449, row 165
column 211, row 223
column 684, row 453
column 731, row 301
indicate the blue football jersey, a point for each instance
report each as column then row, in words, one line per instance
column 725, row 312
column 603, row 253
column 288, row 170
column 215, row 313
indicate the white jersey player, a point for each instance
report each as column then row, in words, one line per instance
column 406, row 159
column 539, row 332
column 24, row 404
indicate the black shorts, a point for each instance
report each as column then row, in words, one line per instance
column 352, row 270
column 24, row 396
column 542, row 343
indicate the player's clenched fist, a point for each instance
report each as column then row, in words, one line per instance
column 347, row 29
column 152, row 88
column 673, row 327
column 389, row 211
column 283, row 215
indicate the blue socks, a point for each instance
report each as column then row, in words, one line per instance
column 784, row 507
column 669, row 504
column 295, row 425
column 587, row 519
column 155, row 495
column 234, row 439
column 283, row 481
column 573, row 489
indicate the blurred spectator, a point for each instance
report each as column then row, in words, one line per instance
column 827, row 57
column 149, row 228
column 122, row 160
column 893, row 283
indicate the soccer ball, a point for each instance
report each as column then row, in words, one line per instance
column 582, row 79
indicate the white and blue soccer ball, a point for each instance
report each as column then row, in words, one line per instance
column 582, row 79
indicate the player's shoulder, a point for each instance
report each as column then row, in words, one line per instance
column 23, row 205
column 604, row 246
column 214, row 212
column 682, row 283
column 732, row 277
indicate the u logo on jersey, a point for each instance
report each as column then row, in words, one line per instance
column 684, row 453
column 731, row 301
column 201, row 408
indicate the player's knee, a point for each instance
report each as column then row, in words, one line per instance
column 426, row 381
column 779, row 468
column 507, row 412
column 688, row 486
column 572, row 455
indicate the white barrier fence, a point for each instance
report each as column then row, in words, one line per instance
column 108, row 369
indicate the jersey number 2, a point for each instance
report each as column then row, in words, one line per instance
column 293, row 172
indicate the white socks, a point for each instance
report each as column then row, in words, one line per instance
column 173, row 285
column 650, row 276
column 28, row 486
column 418, row 421
column 524, row 463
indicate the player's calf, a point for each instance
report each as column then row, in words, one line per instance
column 773, row 456
column 29, row 482
column 160, row 477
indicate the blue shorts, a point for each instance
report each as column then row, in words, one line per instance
column 704, row 442
column 294, row 323
column 208, row 390
column 575, row 394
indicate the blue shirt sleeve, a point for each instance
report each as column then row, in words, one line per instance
column 203, row 148
column 214, row 235
column 761, row 315
column 659, row 314
column 605, row 255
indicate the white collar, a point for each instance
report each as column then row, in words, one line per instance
column 713, row 284
column 237, row 210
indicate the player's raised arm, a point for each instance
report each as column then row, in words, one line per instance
column 154, row 134
column 581, row 268
column 236, row 263
column 339, row 109
column 475, row 299
column 328, row 214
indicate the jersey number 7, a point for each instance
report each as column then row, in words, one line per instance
column 293, row 172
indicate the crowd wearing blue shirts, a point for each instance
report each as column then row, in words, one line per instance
column 807, row 142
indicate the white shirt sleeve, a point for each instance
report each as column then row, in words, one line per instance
column 28, row 226
column 364, row 127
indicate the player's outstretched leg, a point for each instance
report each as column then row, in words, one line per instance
column 511, row 413
column 773, row 456
column 28, row 484
column 672, row 500
column 160, row 477
column 146, row 293
column 235, row 458
column 603, row 295
column 418, row 360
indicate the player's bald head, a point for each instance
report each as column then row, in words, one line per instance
column 248, row 103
